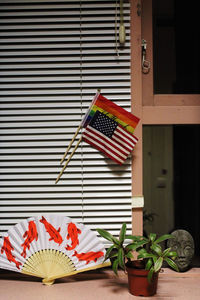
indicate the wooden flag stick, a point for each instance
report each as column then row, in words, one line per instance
column 61, row 172
column 68, row 148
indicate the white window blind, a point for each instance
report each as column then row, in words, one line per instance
column 53, row 58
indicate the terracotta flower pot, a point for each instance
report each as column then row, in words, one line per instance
column 138, row 282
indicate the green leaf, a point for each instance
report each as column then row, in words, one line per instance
column 168, row 253
column 145, row 255
column 105, row 234
column 122, row 233
column 157, row 249
column 150, row 274
column 148, row 264
column 172, row 254
column 145, row 239
column 142, row 243
column 165, row 252
column 115, row 266
column 129, row 254
column 136, row 238
column 109, row 251
column 158, row 264
column 132, row 237
column 132, row 247
column 136, row 245
column 172, row 264
column 121, row 258
column 155, row 258
column 163, row 238
column 141, row 251
column 152, row 237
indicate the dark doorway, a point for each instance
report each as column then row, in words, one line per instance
column 186, row 140
column 171, row 161
column 176, row 47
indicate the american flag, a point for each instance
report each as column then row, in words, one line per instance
column 109, row 137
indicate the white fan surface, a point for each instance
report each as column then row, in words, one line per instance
column 50, row 247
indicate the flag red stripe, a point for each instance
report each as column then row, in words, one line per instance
column 104, row 144
column 117, row 110
column 126, row 139
column 103, row 150
column 121, row 143
column 122, row 138
column 107, row 140
column 128, row 135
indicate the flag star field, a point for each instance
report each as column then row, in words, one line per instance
column 103, row 124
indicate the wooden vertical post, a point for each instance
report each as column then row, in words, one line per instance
column 136, row 96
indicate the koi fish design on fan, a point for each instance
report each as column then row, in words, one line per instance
column 8, row 248
column 26, row 248
column 31, row 234
column 54, row 234
column 73, row 233
column 89, row 256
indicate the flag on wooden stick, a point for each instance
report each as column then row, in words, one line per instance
column 109, row 128
column 109, row 137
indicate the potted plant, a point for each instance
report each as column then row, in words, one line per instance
column 143, row 272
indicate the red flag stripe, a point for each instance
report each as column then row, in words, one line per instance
column 107, row 144
column 106, row 153
column 124, row 139
column 108, row 140
column 121, row 135
column 119, row 111
column 98, row 146
column 122, row 143
column 129, row 135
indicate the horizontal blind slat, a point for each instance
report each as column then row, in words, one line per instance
column 50, row 70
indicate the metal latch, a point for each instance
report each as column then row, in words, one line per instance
column 145, row 63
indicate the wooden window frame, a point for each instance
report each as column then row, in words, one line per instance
column 152, row 109
column 163, row 108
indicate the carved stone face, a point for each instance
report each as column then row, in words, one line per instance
column 183, row 244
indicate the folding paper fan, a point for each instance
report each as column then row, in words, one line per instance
column 51, row 247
